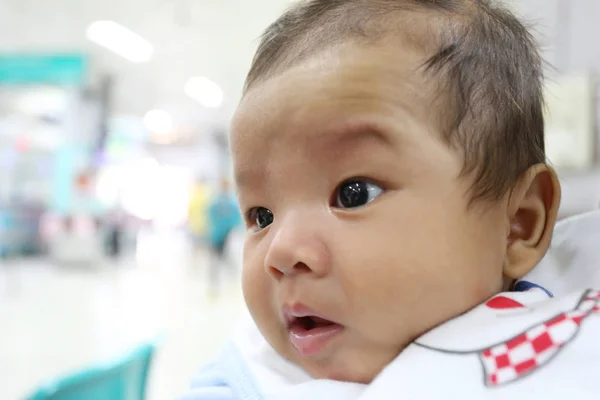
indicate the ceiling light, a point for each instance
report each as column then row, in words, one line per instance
column 158, row 121
column 204, row 91
column 120, row 40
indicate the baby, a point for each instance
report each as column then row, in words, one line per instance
column 389, row 160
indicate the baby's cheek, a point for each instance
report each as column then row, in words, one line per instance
column 258, row 294
column 255, row 284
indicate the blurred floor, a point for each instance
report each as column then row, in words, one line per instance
column 56, row 319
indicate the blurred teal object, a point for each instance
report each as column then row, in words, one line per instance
column 121, row 379
column 223, row 216
column 57, row 69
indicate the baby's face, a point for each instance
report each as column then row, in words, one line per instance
column 360, row 237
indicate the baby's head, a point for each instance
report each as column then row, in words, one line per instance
column 389, row 158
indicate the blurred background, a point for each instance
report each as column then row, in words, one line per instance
column 118, row 223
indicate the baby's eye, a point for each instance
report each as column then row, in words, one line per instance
column 356, row 193
column 260, row 216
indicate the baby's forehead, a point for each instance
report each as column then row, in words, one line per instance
column 344, row 81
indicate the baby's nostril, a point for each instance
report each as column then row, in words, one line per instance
column 301, row 267
column 275, row 272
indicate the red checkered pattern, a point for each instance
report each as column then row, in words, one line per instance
column 511, row 360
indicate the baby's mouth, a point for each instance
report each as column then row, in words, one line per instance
column 309, row 334
column 308, row 323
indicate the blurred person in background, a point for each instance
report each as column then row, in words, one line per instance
column 197, row 213
column 115, row 226
column 222, row 218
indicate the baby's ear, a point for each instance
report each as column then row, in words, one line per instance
column 532, row 209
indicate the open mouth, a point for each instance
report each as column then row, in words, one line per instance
column 308, row 323
column 310, row 334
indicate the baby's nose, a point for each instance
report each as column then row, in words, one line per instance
column 297, row 247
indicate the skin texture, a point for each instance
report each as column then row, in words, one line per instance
column 416, row 255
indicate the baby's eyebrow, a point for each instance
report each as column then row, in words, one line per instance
column 252, row 176
column 358, row 132
column 350, row 135
column 246, row 178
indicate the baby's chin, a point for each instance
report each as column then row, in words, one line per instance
column 346, row 366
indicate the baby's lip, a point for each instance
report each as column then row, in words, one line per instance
column 309, row 332
column 292, row 311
